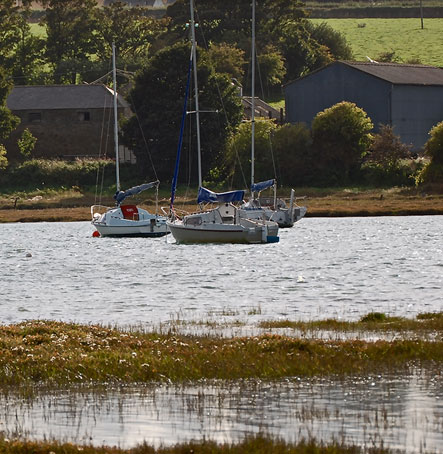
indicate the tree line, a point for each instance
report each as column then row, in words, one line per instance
column 76, row 48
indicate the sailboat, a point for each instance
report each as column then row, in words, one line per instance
column 125, row 220
column 225, row 223
column 272, row 208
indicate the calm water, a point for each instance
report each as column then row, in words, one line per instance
column 343, row 267
column 404, row 413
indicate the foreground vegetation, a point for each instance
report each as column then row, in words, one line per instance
column 256, row 445
column 57, row 353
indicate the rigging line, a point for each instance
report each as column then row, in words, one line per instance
column 223, row 107
column 96, row 195
column 263, row 96
column 143, row 136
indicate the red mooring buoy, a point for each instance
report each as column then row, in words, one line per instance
column 96, row 234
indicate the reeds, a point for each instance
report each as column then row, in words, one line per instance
column 253, row 444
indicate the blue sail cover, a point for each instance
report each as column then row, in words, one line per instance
column 205, row 195
column 121, row 195
column 257, row 187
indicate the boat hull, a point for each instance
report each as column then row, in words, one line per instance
column 283, row 216
column 221, row 234
column 114, row 223
column 131, row 231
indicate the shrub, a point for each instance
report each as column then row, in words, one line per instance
column 387, row 160
column 26, row 143
column 50, row 173
column 292, row 148
column 433, row 171
column 434, row 145
column 341, row 137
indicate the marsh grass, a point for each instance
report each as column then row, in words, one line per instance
column 423, row 325
column 252, row 444
column 57, row 353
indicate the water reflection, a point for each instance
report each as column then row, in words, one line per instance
column 403, row 412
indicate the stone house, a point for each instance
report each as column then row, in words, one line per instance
column 69, row 121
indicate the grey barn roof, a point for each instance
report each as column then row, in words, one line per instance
column 400, row 74
column 52, row 97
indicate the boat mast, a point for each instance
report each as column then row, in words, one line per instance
column 114, row 83
column 197, row 113
column 253, row 96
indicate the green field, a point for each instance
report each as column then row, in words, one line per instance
column 403, row 36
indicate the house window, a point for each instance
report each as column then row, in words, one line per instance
column 34, row 117
column 84, row 116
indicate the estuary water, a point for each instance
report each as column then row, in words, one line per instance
column 321, row 268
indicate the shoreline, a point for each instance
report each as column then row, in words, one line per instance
column 78, row 214
column 342, row 203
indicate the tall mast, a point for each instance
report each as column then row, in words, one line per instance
column 253, row 95
column 197, row 112
column 114, row 83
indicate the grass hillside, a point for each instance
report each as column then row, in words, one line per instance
column 372, row 37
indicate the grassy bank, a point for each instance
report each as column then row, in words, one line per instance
column 59, row 353
column 74, row 204
column 256, row 445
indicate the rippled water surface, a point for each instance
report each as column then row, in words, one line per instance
column 339, row 267
column 342, row 267
column 400, row 412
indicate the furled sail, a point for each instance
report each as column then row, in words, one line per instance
column 119, row 196
column 205, row 195
column 257, row 187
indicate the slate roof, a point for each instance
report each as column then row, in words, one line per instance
column 400, row 74
column 55, row 97
column 395, row 73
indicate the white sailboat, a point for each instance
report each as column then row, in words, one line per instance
column 225, row 223
column 271, row 207
column 125, row 220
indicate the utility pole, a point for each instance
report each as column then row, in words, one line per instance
column 421, row 13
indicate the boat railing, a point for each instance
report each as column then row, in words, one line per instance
column 98, row 210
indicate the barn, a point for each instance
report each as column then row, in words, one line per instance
column 407, row 97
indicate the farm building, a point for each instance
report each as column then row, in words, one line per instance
column 407, row 97
column 69, row 121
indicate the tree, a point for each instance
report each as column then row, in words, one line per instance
column 271, row 67
column 292, row 149
column 281, row 23
column 71, row 38
column 157, row 101
column 386, row 149
column 130, row 29
column 229, row 59
column 341, row 137
column 28, row 55
column 9, row 17
column 26, row 143
column 325, row 35
column 238, row 156
column 8, row 121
